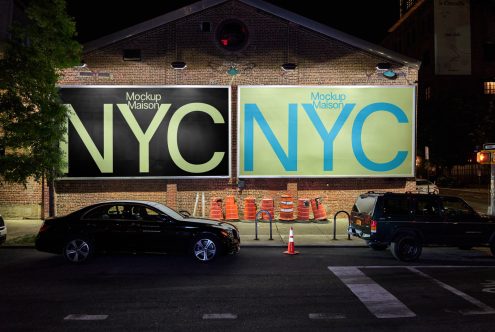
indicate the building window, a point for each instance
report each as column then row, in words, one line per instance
column 489, row 51
column 489, row 88
column 232, row 35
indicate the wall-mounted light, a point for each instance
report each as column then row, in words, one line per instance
column 178, row 65
column 82, row 65
column 289, row 66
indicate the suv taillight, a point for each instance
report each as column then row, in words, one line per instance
column 373, row 226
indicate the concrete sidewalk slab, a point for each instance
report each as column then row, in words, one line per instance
column 21, row 232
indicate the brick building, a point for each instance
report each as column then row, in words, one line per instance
column 240, row 45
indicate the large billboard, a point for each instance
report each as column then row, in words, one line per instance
column 147, row 131
column 320, row 131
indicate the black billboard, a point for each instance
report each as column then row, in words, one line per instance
column 147, row 131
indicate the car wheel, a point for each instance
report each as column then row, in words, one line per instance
column 78, row 250
column 378, row 247
column 406, row 248
column 205, row 248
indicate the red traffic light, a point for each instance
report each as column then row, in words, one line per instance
column 484, row 157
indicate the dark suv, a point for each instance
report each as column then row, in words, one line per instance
column 407, row 222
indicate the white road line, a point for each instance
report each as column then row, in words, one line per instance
column 85, row 317
column 420, row 266
column 326, row 316
column 485, row 309
column 220, row 316
column 377, row 299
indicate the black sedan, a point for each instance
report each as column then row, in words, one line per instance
column 135, row 226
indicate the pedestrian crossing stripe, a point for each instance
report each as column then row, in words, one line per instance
column 383, row 304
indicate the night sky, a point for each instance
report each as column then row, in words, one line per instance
column 368, row 20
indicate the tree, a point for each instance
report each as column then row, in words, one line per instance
column 32, row 118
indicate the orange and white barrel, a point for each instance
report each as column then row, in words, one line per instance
column 319, row 211
column 303, row 207
column 231, row 210
column 286, row 208
column 249, row 208
column 267, row 204
column 216, row 208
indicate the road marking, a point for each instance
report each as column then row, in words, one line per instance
column 85, row 317
column 326, row 316
column 220, row 316
column 485, row 309
column 418, row 266
column 377, row 299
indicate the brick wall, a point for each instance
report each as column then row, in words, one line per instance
column 272, row 42
column 17, row 201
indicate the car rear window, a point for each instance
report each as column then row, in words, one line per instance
column 364, row 204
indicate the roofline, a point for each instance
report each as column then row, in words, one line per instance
column 262, row 5
column 150, row 24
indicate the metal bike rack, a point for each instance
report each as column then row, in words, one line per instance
column 256, row 223
column 335, row 224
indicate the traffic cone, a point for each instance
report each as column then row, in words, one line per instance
column 290, row 246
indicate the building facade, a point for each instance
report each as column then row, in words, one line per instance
column 455, row 41
column 243, row 57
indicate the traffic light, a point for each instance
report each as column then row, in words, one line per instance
column 484, row 157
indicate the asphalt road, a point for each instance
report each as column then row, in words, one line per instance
column 261, row 289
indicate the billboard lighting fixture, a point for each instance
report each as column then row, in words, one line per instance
column 383, row 66
column 289, row 66
column 178, row 65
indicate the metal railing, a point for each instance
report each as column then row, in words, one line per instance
column 335, row 224
column 256, row 224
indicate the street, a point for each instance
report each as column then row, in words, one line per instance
column 322, row 288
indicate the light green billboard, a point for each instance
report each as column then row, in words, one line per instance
column 351, row 131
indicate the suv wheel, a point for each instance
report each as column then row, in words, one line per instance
column 406, row 248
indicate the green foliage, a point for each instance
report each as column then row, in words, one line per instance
column 32, row 119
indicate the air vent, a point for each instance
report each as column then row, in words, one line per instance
column 132, row 55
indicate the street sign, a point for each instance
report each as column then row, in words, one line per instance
column 489, row 146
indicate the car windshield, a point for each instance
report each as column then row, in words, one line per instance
column 169, row 211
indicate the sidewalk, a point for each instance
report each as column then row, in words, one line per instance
column 21, row 233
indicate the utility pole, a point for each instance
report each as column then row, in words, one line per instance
column 487, row 156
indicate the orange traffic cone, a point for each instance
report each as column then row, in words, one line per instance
column 290, row 247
